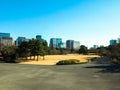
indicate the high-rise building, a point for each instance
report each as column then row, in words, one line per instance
column 118, row 41
column 95, row 46
column 19, row 40
column 5, row 39
column 113, row 42
column 55, row 42
column 69, row 44
column 58, row 42
column 76, row 45
column 39, row 37
column 62, row 45
column 4, row 34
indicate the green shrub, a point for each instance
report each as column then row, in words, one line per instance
column 116, row 61
column 68, row 62
column 10, row 59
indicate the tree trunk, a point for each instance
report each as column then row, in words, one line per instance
column 26, row 58
column 43, row 57
column 37, row 57
column 30, row 57
column 34, row 57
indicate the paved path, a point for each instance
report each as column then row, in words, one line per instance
column 69, row 77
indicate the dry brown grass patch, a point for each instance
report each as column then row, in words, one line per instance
column 53, row 59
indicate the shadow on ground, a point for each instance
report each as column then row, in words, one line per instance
column 105, row 65
column 106, row 68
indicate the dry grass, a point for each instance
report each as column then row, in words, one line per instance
column 53, row 59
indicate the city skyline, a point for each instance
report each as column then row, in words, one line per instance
column 92, row 22
column 6, row 39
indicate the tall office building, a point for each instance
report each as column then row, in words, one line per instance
column 5, row 39
column 118, row 41
column 69, row 44
column 62, row 45
column 19, row 40
column 95, row 46
column 113, row 42
column 55, row 42
column 39, row 37
column 76, row 45
column 4, row 34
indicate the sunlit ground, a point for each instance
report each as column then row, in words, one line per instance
column 53, row 59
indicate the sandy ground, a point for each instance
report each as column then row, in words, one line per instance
column 53, row 59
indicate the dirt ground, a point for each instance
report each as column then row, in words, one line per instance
column 53, row 59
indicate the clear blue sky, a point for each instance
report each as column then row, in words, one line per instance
column 88, row 21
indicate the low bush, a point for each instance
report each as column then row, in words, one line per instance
column 10, row 59
column 116, row 61
column 68, row 62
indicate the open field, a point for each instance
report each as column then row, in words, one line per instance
column 53, row 59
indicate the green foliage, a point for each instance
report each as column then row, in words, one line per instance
column 45, row 46
column 116, row 61
column 10, row 59
column 9, row 54
column 23, row 50
column 68, row 62
column 43, row 53
column 103, row 52
column 61, row 51
column 114, row 51
column 93, row 50
column 33, row 47
column 83, row 50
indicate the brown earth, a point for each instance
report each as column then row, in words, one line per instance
column 53, row 59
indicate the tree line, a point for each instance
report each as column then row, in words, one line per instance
column 31, row 48
column 35, row 48
column 111, row 51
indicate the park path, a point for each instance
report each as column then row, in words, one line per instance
column 70, row 77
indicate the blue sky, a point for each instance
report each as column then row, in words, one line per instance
column 88, row 21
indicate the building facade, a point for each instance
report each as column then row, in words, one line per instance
column 19, row 40
column 113, row 42
column 118, row 40
column 63, row 45
column 69, row 44
column 55, row 42
column 5, row 39
column 95, row 46
column 4, row 34
column 76, row 45
column 39, row 37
